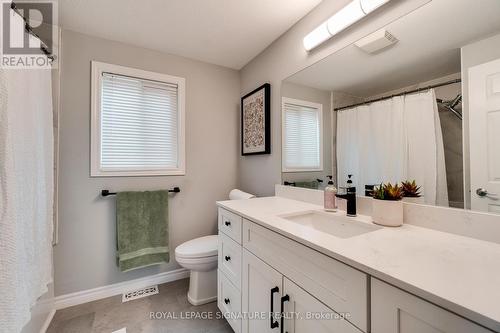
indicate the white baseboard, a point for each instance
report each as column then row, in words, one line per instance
column 47, row 322
column 85, row 296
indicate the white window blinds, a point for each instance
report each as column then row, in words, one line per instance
column 139, row 124
column 302, row 135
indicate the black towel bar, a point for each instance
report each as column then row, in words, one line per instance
column 105, row 193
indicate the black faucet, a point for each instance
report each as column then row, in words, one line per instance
column 350, row 196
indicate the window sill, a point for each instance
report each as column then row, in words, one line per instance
column 301, row 170
column 148, row 173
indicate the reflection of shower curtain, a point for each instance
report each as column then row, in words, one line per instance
column 26, row 193
column 391, row 141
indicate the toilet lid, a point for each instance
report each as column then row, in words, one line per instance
column 198, row 247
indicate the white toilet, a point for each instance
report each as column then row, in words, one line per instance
column 199, row 255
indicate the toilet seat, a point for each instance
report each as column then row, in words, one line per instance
column 198, row 248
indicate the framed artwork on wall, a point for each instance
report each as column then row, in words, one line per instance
column 256, row 121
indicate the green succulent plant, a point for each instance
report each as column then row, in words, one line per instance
column 410, row 189
column 388, row 192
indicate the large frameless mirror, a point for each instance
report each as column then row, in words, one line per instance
column 417, row 100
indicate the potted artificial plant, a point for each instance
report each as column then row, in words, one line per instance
column 387, row 205
column 411, row 192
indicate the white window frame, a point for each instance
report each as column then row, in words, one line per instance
column 98, row 68
column 287, row 100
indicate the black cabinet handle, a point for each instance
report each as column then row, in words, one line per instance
column 227, row 223
column 227, row 301
column 274, row 323
column 284, row 299
column 227, row 258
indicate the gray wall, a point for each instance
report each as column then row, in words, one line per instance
column 286, row 56
column 85, row 255
column 472, row 55
column 292, row 90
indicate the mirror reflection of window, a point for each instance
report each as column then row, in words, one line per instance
column 302, row 136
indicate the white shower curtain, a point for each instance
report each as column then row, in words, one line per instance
column 391, row 141
column 26, row 193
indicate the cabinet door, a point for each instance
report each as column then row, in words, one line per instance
column 338, row 286
column 395, row 311
column 261, row 290
column 305, row 314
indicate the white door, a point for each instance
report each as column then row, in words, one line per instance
column 261, row 291
column 305, row 314
column 484, row 119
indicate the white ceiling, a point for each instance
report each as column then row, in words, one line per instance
column 429, row 47
column 223, row 32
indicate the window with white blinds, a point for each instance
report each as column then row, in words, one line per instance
column 138, row 123
column 302, row 136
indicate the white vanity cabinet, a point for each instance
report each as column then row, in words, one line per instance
column 262, row 272
column 269, row 264
column 267, row 290
column 340, row 287
column 395, row 311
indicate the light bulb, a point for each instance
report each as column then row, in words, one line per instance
column 369, row 6
column 316, row 37
column 345, row 17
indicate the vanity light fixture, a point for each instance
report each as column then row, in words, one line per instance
column 343, row 19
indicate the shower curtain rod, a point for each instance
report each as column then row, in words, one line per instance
column 400, row 94
column 30, row 31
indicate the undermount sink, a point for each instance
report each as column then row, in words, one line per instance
column 330, row 223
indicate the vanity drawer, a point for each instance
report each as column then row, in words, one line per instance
column 340, row 287
column 230, row 259
column 230, row 224
column 229, row 301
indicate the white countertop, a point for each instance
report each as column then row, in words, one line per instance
column 458, row 273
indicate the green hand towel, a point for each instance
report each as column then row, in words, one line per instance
column 141, row 229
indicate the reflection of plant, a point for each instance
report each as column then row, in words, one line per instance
column 410, row 189
column 388, row 192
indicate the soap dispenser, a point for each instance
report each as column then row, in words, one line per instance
column 330, row 193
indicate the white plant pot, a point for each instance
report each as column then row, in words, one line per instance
column 415, row 200
column 387, row 213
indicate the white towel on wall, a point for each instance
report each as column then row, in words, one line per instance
column 26, row 193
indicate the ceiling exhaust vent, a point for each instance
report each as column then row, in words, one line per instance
column 376, row 41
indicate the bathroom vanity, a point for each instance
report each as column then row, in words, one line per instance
column 286, row 256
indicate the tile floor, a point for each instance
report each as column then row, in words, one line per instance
column 171, row 305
